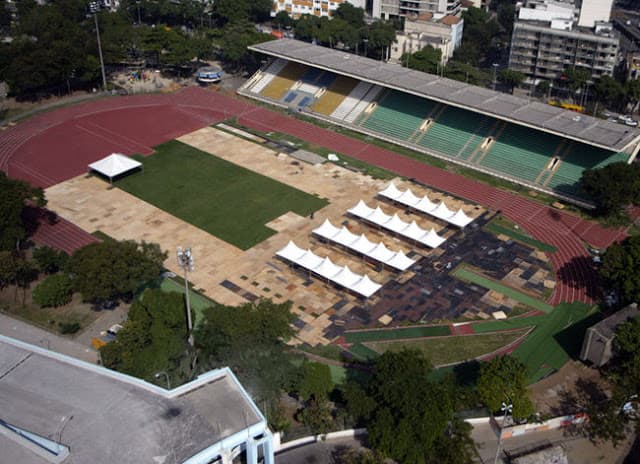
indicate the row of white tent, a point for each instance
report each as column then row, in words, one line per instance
column 324, row 267
column 362, row 245
column 424, row 205
column 393, row 223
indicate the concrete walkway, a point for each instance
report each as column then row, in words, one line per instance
column 30, row 334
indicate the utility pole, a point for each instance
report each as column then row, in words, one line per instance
column 506, row 408
column 94, row 7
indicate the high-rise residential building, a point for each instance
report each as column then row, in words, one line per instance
column 297, row 8
column 548, row 38
column 395, row 8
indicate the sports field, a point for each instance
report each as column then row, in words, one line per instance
column 226, row 200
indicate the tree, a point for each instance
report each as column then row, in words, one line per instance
column 511, row 78
column 504, row 379
column 352, row 15
column 612, row 188
column 543, row 87
column 235, row 40
column 381, row 34
column 609, row 91
column 250, row 339
column 621, row 269
column 9, row 263
column 315, row 382
column 227, row 11
column 153, row 339
column 610, row 419
column 26, row 273
column 426, row 60
column 112, row 269
column 576, row 79
column 409, row 417
column 56, row 290
column 50, row 260
column 283, row 19
column 632, row 94
column 317, row 416
column 15, row 195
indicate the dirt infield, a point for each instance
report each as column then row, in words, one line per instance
column 56, row 146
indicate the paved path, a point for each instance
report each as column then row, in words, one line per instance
column 30, row 334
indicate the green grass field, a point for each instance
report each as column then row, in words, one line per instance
column 226, row 200
column 468, row 275
column 396, row 334
column 520, row 237
column 448, row 350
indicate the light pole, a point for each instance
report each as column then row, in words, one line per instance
column 366, row 41
column 158, row 374
column 495, row 68
column 185, row 261
column 94, row 7
column 506, row 408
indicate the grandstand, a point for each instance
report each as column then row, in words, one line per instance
column 540, row 146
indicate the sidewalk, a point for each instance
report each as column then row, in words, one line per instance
column 30, row 334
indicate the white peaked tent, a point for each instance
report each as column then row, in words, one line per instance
column 324, row 267
column 424, row 205
column 361, row 244
column 114, row 165
column 393, row 223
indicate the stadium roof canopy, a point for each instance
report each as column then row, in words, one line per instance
column 579, row 127
column 57, row 409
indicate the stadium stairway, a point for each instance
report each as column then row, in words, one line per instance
column 335, row 95
column 269, row 73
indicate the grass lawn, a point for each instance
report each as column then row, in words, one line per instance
column 466, row 274
column 395, row 334
column 556, row 339
column 447, row 350
column 519, row 237
column 198, row 302
column 226, row 200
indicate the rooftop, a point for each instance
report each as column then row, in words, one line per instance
column 607, row 327
column 585, row 129
column 103, row 416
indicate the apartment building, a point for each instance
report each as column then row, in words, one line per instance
column 394, row 8
column 551, row 36
column 297, row 8
column 443, row 32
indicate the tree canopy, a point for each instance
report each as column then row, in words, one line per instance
column 408, row 416
column 250, row 339
column 114, row 269
column 426, row 60
column 511, row 78
column 153, row 339
column 15, row 195
column 504, row 379
column 611, row 418
column 612, row 188
column 620, row 269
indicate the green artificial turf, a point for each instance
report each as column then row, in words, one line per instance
column 219, row 197
column 467, row 274
column 520, row 237
column 396, row 334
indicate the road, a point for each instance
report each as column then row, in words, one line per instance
column 30, row 334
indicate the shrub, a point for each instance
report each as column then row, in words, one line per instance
column 68, row 327
column 50, row 260
column 54, row 291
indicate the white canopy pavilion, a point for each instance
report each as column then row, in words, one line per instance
column 361, row 244
column 424, row 205
column 114, row 165
column 325, row 268
column 393, row 223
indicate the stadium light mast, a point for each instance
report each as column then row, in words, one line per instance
column 185, row 261
column 506, row 408
column 93, row 8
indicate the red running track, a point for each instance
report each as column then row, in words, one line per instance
column 56, row 146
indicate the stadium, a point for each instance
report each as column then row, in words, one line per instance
column 539, row 146
column 466, row 265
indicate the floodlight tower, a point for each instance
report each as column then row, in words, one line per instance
column 94, row 7
column 507, row 409
column 185, row 261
